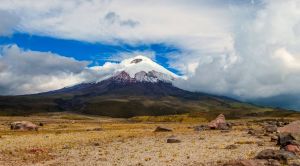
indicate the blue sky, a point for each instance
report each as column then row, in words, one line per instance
column 96, row 53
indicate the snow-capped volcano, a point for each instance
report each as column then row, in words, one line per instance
column 136, row 69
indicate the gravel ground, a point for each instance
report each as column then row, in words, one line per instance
column 197, row 148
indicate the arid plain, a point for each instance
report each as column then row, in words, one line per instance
column 71, row 139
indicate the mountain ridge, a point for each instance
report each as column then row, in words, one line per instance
column 136, row 87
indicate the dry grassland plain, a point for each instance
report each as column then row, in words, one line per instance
column 71, row 139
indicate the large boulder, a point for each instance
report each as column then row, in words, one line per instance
column 293, row 127
column 292, row 148
column 23, row 125
column 289, row 134
column 252, row 162
column 285, row 139
column 279, row 155
column 219, row 123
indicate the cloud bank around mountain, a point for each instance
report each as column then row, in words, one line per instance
column 245, row 49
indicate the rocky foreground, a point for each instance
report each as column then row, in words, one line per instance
column 104, row 141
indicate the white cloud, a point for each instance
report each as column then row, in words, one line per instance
column 8, row 22
column 23, row 72
column 264, row 60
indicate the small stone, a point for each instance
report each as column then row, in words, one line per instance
column 66, row 147
column 280, row 155
column 201, row 138
column 246, row 162
column 274, row 138
column 173, row 140
column 260, row 143
column 200, row 128
column 96, row 144
column 162, row 129
column 231, row 147
column 97, row 129
column 271, row 128
column 251, row 132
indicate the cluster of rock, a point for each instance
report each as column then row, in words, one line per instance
column 287, row 136
column 217, row 124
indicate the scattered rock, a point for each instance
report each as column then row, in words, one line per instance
column 279, row 124
column 245, row 142
column 96, row 144
column 280, row 155
column 200, row 128
column 248, row 162
column 66, row 147
column 255, row 132
column 201, row 138
column 23, row 125
column 231, row 147
column 162, row 129
column 95, row 129
column 266, row 134
column 251, row 132
column 271, row 128
column 274, row 138
column 219, row 123
column 260, row 143
column 41, row 124
column 36, row 150
column 173, row 140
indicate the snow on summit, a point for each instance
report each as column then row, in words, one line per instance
column 139, row 68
